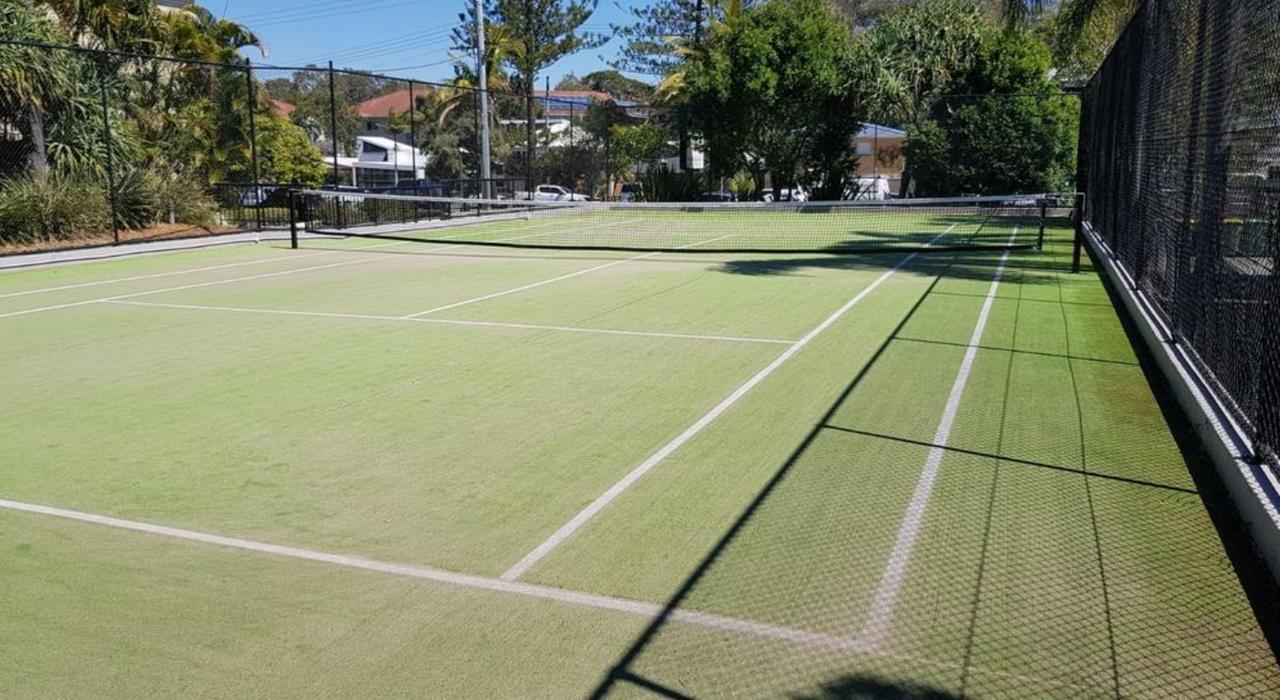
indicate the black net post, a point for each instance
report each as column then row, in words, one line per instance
column 293, row 218
column 106, row 139
column 1077, row 247
column 1044, row 214
column 258, row 197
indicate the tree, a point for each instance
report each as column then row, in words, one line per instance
column 610, row 82
column 286, row 154
column 32, row 80
column 1007, row 129
column 656, row 32
column 920, row 48
column 535, row 34
column 785, row 86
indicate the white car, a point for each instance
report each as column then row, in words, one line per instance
column 789, row 194
column 553, row 193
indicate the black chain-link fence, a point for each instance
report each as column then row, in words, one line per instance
column 111, row 146
column 1181, row 167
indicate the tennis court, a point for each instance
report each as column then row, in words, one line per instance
column 372, row 466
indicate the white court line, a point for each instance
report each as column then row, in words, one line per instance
column 213, row 283
column 453, row 322
column 553, row 280
column 752, row 628
column 171, row 273
column 880, row 613
column 568, row 529
column 331, row 251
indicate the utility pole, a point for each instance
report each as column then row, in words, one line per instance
column 483, row 70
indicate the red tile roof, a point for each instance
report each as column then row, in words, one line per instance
column 381, row 107
column 282, row 108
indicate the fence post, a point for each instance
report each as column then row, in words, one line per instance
column 258, row 198
column 333, row 134
column 413, row 142
column 106, row 138
column 333, row 124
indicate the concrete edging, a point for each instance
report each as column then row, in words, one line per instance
column 126, row 249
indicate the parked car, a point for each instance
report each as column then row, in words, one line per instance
column 721, row 196
column 552, row 193
column 631, row 192
column 256, row 196
column 787, row 194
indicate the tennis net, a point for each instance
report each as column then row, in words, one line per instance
column 964, row 223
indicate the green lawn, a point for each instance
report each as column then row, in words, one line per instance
column 285, row 398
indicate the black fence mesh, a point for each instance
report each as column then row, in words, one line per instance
column 142, row 146
column 1181, row 166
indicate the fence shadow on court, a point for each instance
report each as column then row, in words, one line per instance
column 670, row 658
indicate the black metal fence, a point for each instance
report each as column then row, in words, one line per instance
column 1180, row 161
column 141, row 146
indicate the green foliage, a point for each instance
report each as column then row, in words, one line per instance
column 286, row 154
column 32, row 82
column 782, row 87
column 42, row 208
column 653, row 38
column 610, row 82
column 183, row 200
column 632, row 145
column 662, row 185
column 919, row 49
column 1010, row 130
column 135, row 204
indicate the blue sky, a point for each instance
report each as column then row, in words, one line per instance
column 379, row 35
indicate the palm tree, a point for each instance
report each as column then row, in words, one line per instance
column 32, row 80
column 1083, row 30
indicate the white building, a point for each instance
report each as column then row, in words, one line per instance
column 382, row 162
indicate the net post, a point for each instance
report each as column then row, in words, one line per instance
column 293, row 219
column 1078, row 246
column 1044, row 214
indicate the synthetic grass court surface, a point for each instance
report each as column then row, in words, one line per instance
column 383, row 471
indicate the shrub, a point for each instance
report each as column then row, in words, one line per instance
column 183, row 201
column 663, row 185
column 51, row 207
column 136, row 205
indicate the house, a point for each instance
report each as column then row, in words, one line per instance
column 881, row 153
column 381, row 162
column 375, row 114
column 564, row 104
column 282, row 108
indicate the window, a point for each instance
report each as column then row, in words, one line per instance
column 864, row 148
column 371, row 125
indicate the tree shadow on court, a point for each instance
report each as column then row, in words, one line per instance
column 979, row 265
column 871, row 687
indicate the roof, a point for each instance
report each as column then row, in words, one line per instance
column 382, row 106
column 871, row 131
column 282, row 108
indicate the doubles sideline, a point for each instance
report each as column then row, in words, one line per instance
column 603, row 500
column 880, row 613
